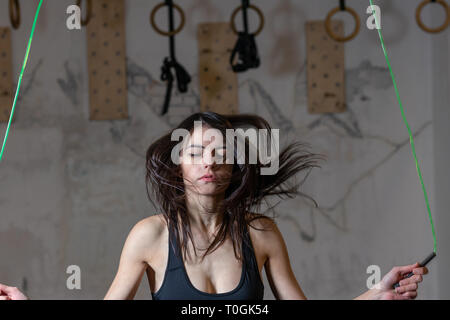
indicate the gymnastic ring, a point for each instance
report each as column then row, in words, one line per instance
column 85, row 21
column 167, row 33
column 258, row 11
column 14, row 13
column 330, row 31
column 423, row 26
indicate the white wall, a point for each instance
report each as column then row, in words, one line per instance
column 71, row 189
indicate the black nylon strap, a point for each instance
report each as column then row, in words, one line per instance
column 182, row 76
column 245, row 46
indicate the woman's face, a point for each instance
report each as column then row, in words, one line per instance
column 199, row 157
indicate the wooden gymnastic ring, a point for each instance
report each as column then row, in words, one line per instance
column 330, row 31
column 85, row 21
column 423, row 26
column 258, row 11
column 14, row 13
column 167, row 33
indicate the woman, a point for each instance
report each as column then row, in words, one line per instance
column 206, row 203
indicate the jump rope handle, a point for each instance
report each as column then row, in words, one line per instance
column 422, row 264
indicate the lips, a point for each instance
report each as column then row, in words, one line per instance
column 208, row 177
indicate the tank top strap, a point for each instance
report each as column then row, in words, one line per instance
column 175, row 261
column 249, row 252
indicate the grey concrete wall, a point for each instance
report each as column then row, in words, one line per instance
column 71, row 189
column 441, row 132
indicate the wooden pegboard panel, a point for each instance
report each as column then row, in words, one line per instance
column 6, row 84
column 217, row 81
column 107, row 61
column 325, row 68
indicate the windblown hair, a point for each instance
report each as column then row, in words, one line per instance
column 247, row 187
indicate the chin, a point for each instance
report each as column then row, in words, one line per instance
column 205, row 189
column 209, row 189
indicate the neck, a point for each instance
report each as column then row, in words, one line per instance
column 204, row 213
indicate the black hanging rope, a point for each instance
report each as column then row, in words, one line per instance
column 342, row 4
column 245, row 4
column 183, row 78
column 245, row 46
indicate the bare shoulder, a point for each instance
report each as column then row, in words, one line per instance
column 261, row 224
column 152, row 225
column 147, row 234
column 264, row 233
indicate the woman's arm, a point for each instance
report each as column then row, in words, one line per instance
column 408, row 287
column 133, row 263
column 279, row 273
column 136, row 253
column 284, row 285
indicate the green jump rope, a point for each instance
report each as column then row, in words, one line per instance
column 411, row 141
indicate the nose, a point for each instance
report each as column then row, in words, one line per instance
column 209, row 159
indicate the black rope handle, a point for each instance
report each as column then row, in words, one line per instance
column 342, row 5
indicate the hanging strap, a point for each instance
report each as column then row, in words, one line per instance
column 247, row 53
column 245, row 47
column 182, row 76
column 14, row 13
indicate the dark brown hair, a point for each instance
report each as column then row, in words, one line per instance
column 247, row 187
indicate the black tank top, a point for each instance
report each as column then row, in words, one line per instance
column 177, row 286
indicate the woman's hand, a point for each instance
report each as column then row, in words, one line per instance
column 11, row 293
column 384, row 290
